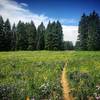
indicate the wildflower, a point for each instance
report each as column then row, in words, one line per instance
column 98, row 87
column 98, row 98
column 32, row 98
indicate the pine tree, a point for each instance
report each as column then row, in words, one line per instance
column 21, row 37
column 48, row 37
column 77, row 45
column 13, row 42
column 40, row 37
column 94, row 32
column 31, row 31
column 89, row 32
column 2, row 35
column 60, row 35
column 68, row 45
column 54, row 36
column 8, row 34
column 83, row 32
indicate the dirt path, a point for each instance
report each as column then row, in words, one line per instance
column 65, row 85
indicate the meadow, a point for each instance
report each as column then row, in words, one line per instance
column 37, row 74
column 84, row 75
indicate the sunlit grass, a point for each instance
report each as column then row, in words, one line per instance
column 38, row 73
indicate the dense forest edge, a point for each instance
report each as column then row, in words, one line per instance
column 25, row 36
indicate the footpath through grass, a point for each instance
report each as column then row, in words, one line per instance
column 65, row 84
column 37, row 74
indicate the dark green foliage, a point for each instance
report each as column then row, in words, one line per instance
column 54, row 40
column 48, row 37
column 25, row 36
column 13, row 40
column 94, row 32
column 68, row 45
column 2, row 35
column 83, row 29
column 60, row 36
column 89, row 32
column 54, row 36
column 8, row 35
column 21, row 40
column 40, row 37
column 31, row 32
column 77, row 45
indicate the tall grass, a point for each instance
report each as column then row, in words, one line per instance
column 37, row 74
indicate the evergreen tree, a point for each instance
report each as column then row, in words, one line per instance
column 68, row 45
column 2, row 35
column 25, row 37
column 40, row 37
column 89, row 32
column 77, row 45
column 21, row 37
column 48, row 37
column 94, row 32
column 31, row 31
column 54, row 36
column 60, row 35
column 57, row 36
column 13, row 42
column 8, row 35
column 83, row 32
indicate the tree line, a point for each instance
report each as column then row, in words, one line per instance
column 25, row 36
column 89, row 32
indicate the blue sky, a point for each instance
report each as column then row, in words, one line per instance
column 63, row 9
column 68, row 12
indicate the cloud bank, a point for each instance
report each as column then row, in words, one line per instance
column 19, row 11
column 70, row 33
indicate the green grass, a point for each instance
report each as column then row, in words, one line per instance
column 84, row 75
column 38, row 73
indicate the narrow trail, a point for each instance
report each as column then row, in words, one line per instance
column 65, row 85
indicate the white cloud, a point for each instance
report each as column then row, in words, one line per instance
column 70, row 33
column 18, row 11
column 24, row 4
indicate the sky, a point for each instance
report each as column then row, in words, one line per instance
column 68, row 12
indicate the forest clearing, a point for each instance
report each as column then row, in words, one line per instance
column 49, row 49
column 38, row 74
